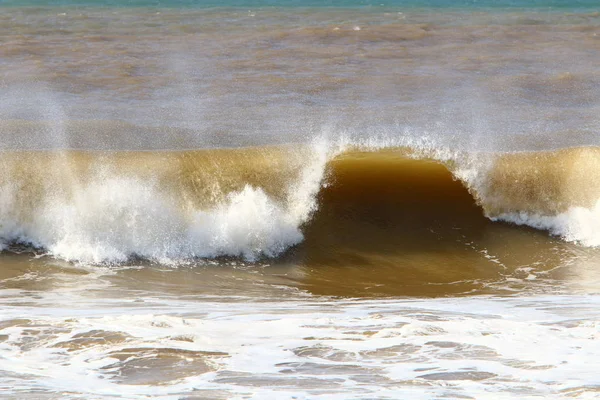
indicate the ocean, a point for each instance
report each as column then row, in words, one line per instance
column 300, row 199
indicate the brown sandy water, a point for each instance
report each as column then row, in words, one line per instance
column 308, row 203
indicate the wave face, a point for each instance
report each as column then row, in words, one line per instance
column 104, row 207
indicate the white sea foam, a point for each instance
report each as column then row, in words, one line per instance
column 501, row 348
column 578, row 224
column 113, row 217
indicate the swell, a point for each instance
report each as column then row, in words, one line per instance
column 335, row 204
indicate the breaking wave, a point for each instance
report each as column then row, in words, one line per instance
column 175, row 206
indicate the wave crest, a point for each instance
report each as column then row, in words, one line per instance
column 177, row 206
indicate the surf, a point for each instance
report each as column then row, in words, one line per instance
column 329, row 203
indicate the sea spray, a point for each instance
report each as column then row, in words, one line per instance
column 94, row 209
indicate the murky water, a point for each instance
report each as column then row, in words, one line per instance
column 355, row 201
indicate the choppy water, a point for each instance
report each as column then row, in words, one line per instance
column 292, row 199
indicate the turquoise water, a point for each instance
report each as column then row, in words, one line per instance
column 466, row 4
